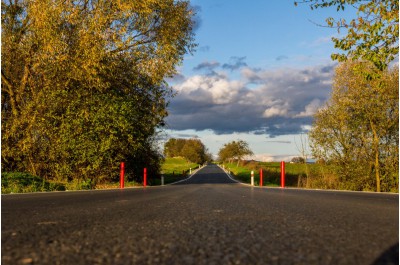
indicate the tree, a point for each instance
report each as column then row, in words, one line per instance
column 173, row 147
column 358, row 129
column 372, row 36
column 234, row 150
column 83, row 82
column 303, row 148
column 192, row 150
column 298, row 159
column 208, row 156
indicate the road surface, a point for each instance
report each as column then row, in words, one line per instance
column 208, row 219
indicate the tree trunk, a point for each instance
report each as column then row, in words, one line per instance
column 376, row 150
column 10, row 91
column 377, row 173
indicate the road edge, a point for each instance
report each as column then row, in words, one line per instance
column 182, row 180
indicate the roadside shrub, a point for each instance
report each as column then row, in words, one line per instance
column 20, row 182
column 80, row 184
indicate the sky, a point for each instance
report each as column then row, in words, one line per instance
column 259, row 73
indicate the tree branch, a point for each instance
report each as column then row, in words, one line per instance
column 10, row 92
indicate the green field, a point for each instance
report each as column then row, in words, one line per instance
column 296, row 174
column 175, row 169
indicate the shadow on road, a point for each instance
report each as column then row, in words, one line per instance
column 390, row 256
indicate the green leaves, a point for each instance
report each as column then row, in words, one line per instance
column 192, row 150
column 84, row 83
column 358, row 128
column 234, row 150
column 372, row 36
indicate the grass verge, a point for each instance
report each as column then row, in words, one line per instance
column 175, row 169
column 242, row 173
column 19, row 182
column 296, row 175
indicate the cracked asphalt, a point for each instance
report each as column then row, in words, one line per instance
column 208, row 219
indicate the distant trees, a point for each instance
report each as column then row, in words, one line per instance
column 298, row 159
column 192, row 150
column 234, row 150
column 358, row 129
column 173, row 147
column 83, row 83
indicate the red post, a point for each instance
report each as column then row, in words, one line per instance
column 122, row 176
column 261, row 177
column 282, row 174
column 145, row 177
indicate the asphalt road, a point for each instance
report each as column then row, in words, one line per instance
column 208, row 219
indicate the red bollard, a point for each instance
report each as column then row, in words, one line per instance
column 261, row 177
column 122, row 176
column 145, row 177
column 282, row 174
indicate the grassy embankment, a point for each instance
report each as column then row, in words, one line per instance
column 297, row 175
column 15, row 182
column 175, row 169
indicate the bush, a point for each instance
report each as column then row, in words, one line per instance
column 77, row 184
column 20, row 182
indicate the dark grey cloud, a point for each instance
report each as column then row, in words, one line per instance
column 205, row 48
column 282, row 102
column 176, row 78
column 281, row 58
column 197, row 18
column 235, row 63
column 210, row 66
column 184, row 135
column 327, row 69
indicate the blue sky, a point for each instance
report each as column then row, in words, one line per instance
column 261, row 70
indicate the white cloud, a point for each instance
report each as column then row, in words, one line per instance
column 218, row 89
column 275, row 111
column 311, row 108
column 265, row 157
column 320, row 41
column 273, row 102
